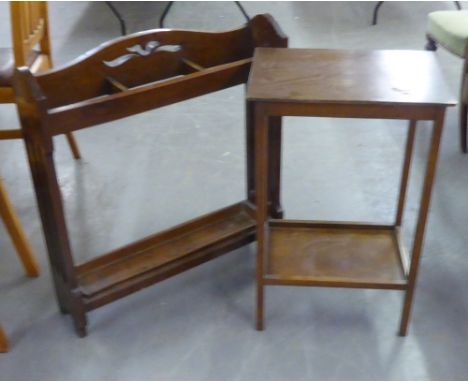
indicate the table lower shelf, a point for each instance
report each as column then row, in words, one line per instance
column 335, row 255
column 164, row 254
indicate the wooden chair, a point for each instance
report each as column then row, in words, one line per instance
column 124, row 77
column 3, row 341
column 31, row 47
column 449, row 29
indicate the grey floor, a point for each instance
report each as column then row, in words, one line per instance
column 160, row 168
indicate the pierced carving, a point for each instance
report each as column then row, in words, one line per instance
column 151, row 47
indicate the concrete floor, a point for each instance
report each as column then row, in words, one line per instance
column 162, row 167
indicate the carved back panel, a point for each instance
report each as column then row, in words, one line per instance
column 151, row 56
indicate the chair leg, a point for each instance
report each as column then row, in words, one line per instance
column 164, row 13
column 463, row 126
column 17, row 234
column 123, row 27
column 375, row 14
column 3, row 341
column 431, row 44
column 73, row 146
column 463, row 107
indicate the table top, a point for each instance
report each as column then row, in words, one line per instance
column 400, row 77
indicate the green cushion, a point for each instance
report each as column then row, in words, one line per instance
column 449, row 29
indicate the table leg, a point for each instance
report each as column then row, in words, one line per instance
column 261, row 177
column 405, row 172
column 421, row 224
column 250, row 150
column 274, row 153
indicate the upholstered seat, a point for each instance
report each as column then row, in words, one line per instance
column 7, row 64
column 449, row 29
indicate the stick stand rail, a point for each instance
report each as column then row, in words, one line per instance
column 121, row 78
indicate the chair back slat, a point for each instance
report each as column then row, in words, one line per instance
column 29, row 25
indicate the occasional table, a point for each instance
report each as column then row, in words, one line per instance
column 402, row 85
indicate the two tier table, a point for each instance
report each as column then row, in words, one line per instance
column 382, row 84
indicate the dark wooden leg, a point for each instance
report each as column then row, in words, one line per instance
column 259, row 323
column 49, row 202
column 250, row 151
column 421, row 224
column 274, row 150
column 78, row 313
column 274, row 182
column 39, row 148
column 463, row 109
column 261, row 176
column 431, row 44
column 463, row 125
column 405, row 173
column 61, row 300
